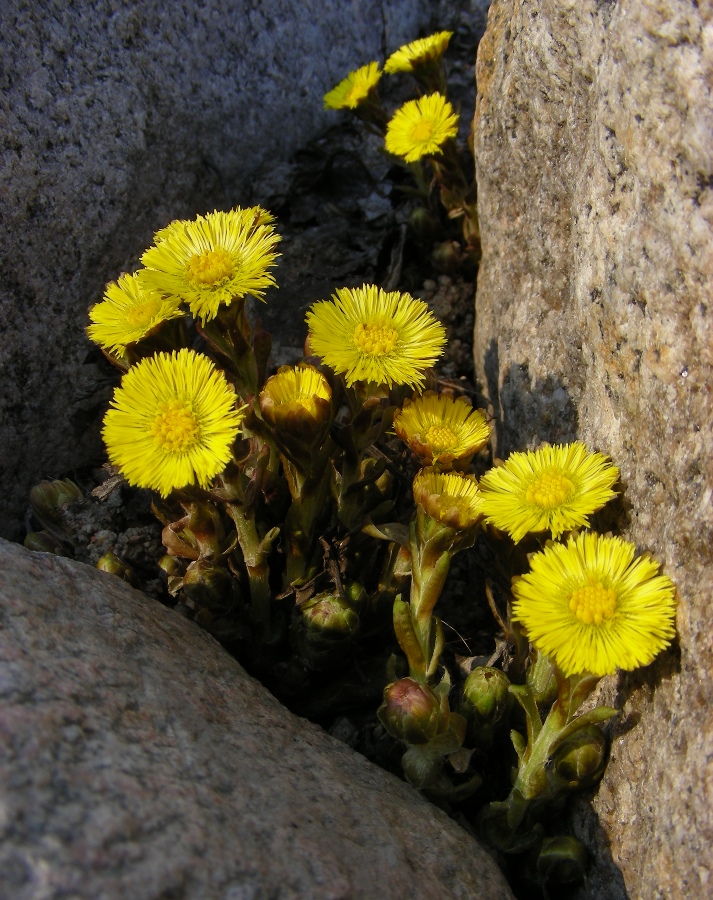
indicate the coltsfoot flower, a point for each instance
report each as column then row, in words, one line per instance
column 554, row 488
column 353, row 89
column 172, row 422
column 449, row 497
column 367, row 334
column 297, row 401
column 128, row 313
column 592, row 607
column 441, row 429
column 415, row 54
column 213, row 259
column 421, row 127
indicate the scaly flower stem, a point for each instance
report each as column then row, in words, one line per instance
column 255, row 553
column 309, row 497
column 545, row 737
column 430, row 563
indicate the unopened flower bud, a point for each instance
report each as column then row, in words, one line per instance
column 423, row 225
column 357, row 595
column 580, row 760
column 43, row 542
column 114, row 566
column 173, row 569
column 486, row 693
column 326, row 627
column 171, row 566
column 447, row 257
column 562, row 860
column 208, row 586
column 411, row 711
column 49, row 497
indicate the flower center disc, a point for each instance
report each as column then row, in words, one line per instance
column 175, row 427
column 209, row 267
column 549, row 491
column 593, row 603
column 143, row 313
column 375, row 339
column 422, row 131
column 440, row 437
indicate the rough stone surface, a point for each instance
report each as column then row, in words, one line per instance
column 116, row 118
column 137, row 759
column 593, row 131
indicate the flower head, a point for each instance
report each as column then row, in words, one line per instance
column 172, row 422
column 420, row 127
column 357, row 86
column 128, row 313
column 554, row 488
column 298, row 402
column 449, row 497
column 412, row 55
column 213, row 259
column 591, row 607
column 441, row 429
column 371, row 335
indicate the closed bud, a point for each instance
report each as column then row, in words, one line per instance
column 412, row 712
column 580, row 760
column 357, row 595
column 208, row 586
column 43, row 542
column 447, row 257
column 171, row 566
column 562, row 860
column 324, row 630
column 173, row 569
column 486, row 694
column 114, row 566
column 49, row 497
column 423, row 225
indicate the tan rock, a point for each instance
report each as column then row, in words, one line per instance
column 593, row 136
column 138, row 760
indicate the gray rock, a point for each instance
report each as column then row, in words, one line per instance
column 594, row 124
column 116, row 118
column 138, row 760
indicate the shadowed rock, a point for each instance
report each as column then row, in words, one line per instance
column 118, row 118
column 137, row 759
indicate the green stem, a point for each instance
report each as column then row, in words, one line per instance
column 531, row 778
column 255, row 553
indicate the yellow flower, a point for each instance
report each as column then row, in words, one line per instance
column 554, row 488
column 128, row 313
column 370, row 335
column 420, row 127
column 172, row 422
column 408, row 57
column 350, row 92
column 591, row 607
column 298, row 401
column 441, row 429
column 213, row 260
column 450, row 497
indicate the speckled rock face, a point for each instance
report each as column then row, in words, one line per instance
column 116, row 118
column 594, row 128
column 137, row 759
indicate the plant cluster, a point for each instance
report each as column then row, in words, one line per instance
column 310, row 518
column 422, row 136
